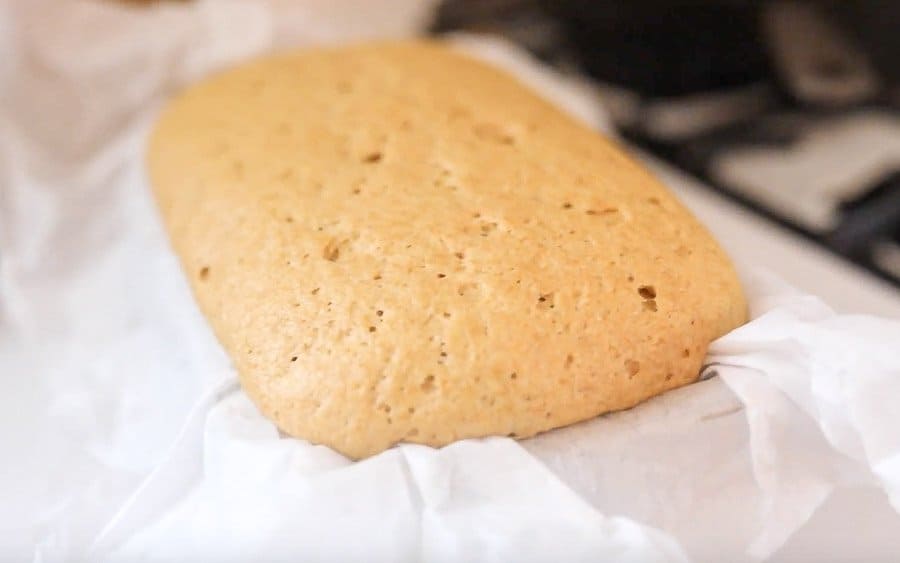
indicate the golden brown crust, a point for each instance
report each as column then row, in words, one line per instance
column 394, row 243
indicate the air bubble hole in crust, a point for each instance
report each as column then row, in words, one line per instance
column 633, row 367
column 332, row 251
column 647, row 292
column 546, row 301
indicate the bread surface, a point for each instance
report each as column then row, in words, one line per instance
column 396, row 243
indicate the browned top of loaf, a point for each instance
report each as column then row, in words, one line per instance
column 395, row 243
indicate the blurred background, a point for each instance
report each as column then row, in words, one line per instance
column 788, row 107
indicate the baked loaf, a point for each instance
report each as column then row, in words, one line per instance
column 396, row 243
